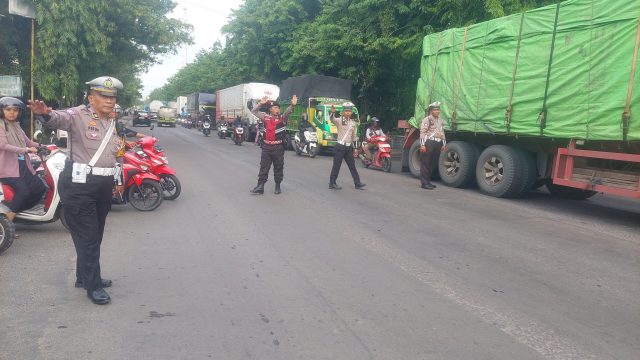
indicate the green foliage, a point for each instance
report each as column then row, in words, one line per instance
column 374, row 43
column 78, row 41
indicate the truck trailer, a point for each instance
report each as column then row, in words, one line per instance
column 239, row 100
column 200, row 104
column 545, row 97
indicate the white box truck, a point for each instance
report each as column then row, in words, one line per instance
column 237, row 101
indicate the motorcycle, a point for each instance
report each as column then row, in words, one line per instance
column 260, row 134
column 381, row 154
column 310, row 147
column 141, row 188
column 206, row 128
column 146, row 152
column 238, row 135
column 49, row 210
column 223, row 130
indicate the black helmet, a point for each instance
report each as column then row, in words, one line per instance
column 9, row 101
column 375, row 121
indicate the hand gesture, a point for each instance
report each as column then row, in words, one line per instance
column 38, row 107
column 294, row 100
column 423, row 149
column 264, row 99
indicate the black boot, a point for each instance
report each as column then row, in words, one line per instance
column 334, row 186
column 277, row 191
column 259, row 189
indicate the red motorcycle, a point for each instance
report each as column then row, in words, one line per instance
column 238, row 135
column 381, row 153
column 147, row 153
column 141, row 188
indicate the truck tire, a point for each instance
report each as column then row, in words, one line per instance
column 500, row 172
column 414, row 158
column 529, row 172
column 569, row 192
column 457, row 165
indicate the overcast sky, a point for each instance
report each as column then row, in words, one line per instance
column 207, row 17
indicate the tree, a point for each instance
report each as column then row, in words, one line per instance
column 76, row 42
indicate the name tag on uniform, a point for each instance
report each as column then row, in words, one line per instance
column 79, row 173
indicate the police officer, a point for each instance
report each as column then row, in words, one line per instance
column 85, row 190
column 432, row 139
column 344, row 146
column 275, row 125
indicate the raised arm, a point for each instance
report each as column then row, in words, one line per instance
column 55, row 119
column 256, row 109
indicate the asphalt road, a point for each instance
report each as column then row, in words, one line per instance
column 390, row 272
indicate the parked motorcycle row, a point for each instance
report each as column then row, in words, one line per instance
column 148, row 180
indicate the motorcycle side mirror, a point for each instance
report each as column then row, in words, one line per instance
column 250, row 105
column 151, row 128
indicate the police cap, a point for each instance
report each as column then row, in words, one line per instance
column 106, row 85
column 347, row 106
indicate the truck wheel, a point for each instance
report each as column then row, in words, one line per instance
column 414, row 158
column 529, row 172
column 499, row 171
column 7, row 233
column 457, row 165
column 569, row 192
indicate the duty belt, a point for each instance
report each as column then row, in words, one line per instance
column 434, row 139
column 274, row 142
column 102, row 171
column 343, row 143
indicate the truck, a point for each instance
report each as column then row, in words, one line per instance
column 316, row 94
column 167, row 116
column 155, row 105
column 239, row 100
column 181, row 105
column 200, row 104
column 541, row 98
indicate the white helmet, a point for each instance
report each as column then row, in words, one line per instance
column 347, row 105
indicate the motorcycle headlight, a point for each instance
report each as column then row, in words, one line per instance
column 144, row 167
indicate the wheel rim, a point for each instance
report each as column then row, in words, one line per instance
column 452, row 163
column 145, row 197
column 386, row 164
column 493, row 171
column 168, row 186
column 3, row 235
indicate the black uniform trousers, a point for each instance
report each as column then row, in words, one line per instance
column 85, row 209
column 28, row 189
column 343, row 152
column 429, row 160
column 271, row 153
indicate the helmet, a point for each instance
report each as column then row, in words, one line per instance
column 347, row 106
column 434, row 105
column 272, row 103
column 375, row 121
column 9, row 101
column 106, row 85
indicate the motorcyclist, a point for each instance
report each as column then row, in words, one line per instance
column 302, row 127
column 237, row 122
column 373, row 130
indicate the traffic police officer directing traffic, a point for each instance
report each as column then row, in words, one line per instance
column 86, row 184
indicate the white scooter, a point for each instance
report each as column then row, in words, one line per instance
column 48, row 210
column 310, row 148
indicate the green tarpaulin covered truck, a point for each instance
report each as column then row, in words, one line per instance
column 549, row 96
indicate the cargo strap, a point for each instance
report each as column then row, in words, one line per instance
column 435, row 67
column 509, row 111
column 626, row 115
column 454, row 123
column 542, row 118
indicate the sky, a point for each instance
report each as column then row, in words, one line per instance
column 207, row 17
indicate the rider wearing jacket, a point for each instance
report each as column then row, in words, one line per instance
column 302, row 127
column 373, row 130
